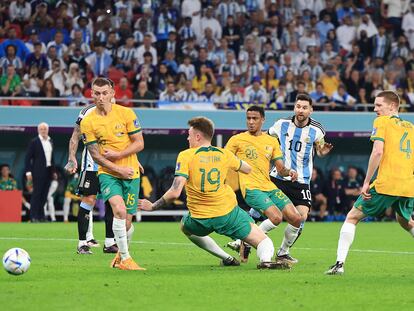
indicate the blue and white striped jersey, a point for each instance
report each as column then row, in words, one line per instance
column 88, row 164
column 297, row 144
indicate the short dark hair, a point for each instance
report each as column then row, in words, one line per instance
column 258, row 109
column 100, row 81
column 390, row 97
column 305, row 97
column 204, row 125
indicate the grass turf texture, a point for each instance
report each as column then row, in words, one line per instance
column 379, row 274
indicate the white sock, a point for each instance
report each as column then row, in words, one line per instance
column 81, row 243
column 208, row 244
column 265, row 250
column 66, row 208
column 130, row 232
column 346, row 237
column 89, row 233
column 109, row 242
column 51, row 206
column 119, row 228
column 267, row 225
column 291, row 234
column 138, row 216
column 412, row 231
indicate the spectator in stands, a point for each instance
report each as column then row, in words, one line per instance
column 187, row 68
column 32, row 82
column 346, row 34
column 342, row 100
column 172, row 44
column 186, row 31
column 393, row 11
column 73, row 77
column 330, row 80
column 11, row 59
column 323, row 27
column 144, row 94
column 123, row 93
column 42, row 20
column 58, row 75
column 232, row 34
column 352, row 187
column 38, row 166
column 10, row 82
column 231, row 66
column 84, row 25
column 169, row 94
column 335, row 194
column 21, row 50
column 76, row 97
column 330, row 10
column 61, row 48
column 232, row 95
column 209, row 21
column 171, row 62
column 368, row 26
column 365, row 44
column 319, row 95
column 381, row 44
column 192, row 8
column 60, row 27
column 127, row 55
column 48, row 90
column 334, row 40
column 34, row 38
column 203, row 76
column 408, row 25
column 400, row 48
column 38, row 59
column 270, row 81
column 19, row 12
column 187, row 94
column 78, row 58
column 7, row 182
column 254, row 68
column 209, row 94
column 147, row 47
column 78, row 43
column 99, row 61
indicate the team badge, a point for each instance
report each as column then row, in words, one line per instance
column 136, row 124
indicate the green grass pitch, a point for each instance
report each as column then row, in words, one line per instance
column 379, row 274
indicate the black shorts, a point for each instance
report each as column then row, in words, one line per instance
column 88, row 183
column 298, row 193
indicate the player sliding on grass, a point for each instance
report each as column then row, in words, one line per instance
column 394, row 185
column 113, row 137
column 212, row 204
column 259, row 150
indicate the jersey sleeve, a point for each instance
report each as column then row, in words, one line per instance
column 378, row 131
column 232, row 145
column 274, row 130
column 132, row 124
column 87, row 133
column 233, row 161
column 181, row 167
column 277, row 152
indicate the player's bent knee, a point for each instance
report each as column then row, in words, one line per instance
column 273, row 214
column 255, row 236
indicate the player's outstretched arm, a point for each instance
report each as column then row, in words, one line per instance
column 373, row 164
column 124, row 172
column 168, row 197
column 136, row 145
column 72, row 164
column 284, row 171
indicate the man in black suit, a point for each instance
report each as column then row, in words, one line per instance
column 39, row 161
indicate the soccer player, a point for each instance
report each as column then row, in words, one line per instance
column 113, row 136
column 212, row 204
column 260, row 150
column 393, row 186
column 299, row 136
column 88, row 187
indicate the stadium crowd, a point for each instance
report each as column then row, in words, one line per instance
column 258, row 51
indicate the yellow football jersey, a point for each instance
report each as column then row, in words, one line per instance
column 258, row 151
column 205, row 169
column 112, row 132
column 395, row 173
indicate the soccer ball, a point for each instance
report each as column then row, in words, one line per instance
column 16, row 261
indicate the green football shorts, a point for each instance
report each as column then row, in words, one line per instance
column 128, row 189
column 262, row 200
column 235, row 224
column 378, row 203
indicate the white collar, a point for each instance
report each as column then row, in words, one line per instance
column 41, row 138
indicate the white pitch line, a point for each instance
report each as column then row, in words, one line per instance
column 191, row 244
